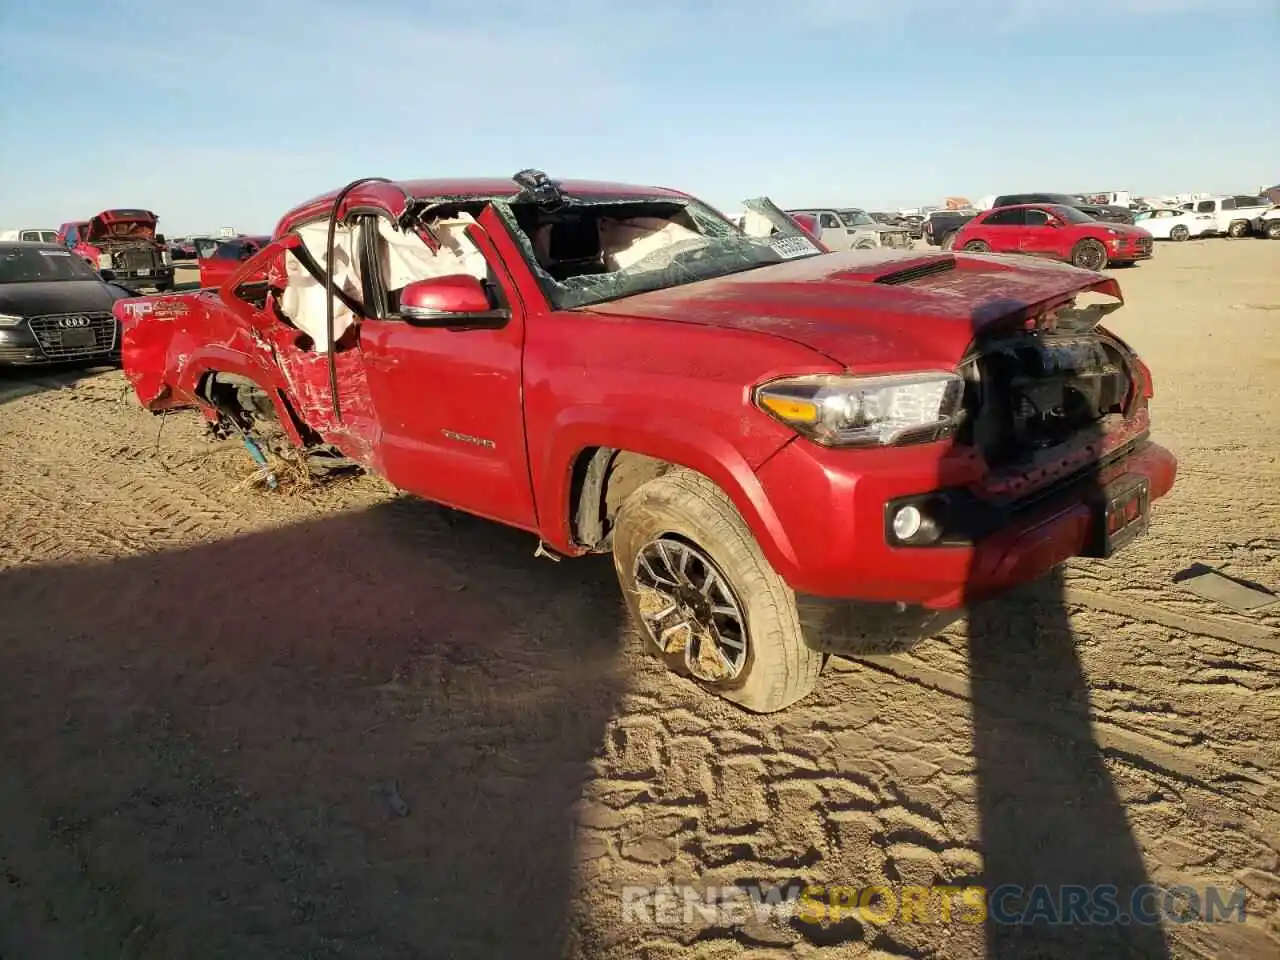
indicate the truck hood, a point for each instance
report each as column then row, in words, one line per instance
column 874, row 310
column 122, row 225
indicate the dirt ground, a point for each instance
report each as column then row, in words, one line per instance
column 341, row 723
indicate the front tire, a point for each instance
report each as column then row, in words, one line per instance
column 1089, row 255
column 1238, row 229
column 1179, row 233
column 1273, row 229
column 977, row 246
column 706, row 599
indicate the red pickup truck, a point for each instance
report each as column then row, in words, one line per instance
column 789, row 453
column 123, row 246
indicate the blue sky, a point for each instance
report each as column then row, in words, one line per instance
column 227, row 113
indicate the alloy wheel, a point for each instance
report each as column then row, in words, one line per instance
column 689, row 608
column 1091, row 256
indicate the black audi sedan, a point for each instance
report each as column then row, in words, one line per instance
column 54, row 308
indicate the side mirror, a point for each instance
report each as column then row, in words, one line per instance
column 456, row 300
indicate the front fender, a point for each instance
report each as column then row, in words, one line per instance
column 663, row 438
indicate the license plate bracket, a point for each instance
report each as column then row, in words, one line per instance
column 78, row 338
column 1123, row 514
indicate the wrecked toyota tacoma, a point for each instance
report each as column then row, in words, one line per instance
column 790, row 453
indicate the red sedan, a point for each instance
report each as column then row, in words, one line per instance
column 1054, row 232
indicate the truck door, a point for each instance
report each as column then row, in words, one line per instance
column 449, row 402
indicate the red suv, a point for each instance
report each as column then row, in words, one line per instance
column 788, row 452
column 1056, row 232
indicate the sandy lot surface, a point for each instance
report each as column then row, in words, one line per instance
column 207, row 690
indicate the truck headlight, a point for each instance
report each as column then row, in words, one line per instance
column 836, row 410
column 104, row 261
column 9, row 320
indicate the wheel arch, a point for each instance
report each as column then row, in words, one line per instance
column 602, row 475
column 207, row 376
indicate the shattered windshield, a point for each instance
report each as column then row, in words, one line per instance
column 27, row 265
column 856, row 218
column 591, row 251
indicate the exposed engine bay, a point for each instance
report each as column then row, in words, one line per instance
column 132, row 254
column 1033, row 390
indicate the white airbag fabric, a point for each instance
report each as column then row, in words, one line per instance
column 403, row 256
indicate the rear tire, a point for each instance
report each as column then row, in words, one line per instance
column 1089, row 255
column 948, row 240
column 1179, row 233
column 978, row 246
column 686, row 513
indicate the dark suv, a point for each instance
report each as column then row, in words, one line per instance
column 1107, row 213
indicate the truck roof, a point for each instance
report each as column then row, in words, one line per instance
column 492, row 188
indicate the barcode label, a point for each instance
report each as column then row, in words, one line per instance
column 788, row 247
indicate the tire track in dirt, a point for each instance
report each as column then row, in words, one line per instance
column 1179, row 758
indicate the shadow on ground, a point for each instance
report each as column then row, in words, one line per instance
column 18, row 382
column 195, row 746
column 1050, row 816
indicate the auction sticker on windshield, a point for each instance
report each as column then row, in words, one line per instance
column 54, row 253
column 790, row 247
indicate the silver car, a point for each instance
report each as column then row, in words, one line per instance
column 850, row 228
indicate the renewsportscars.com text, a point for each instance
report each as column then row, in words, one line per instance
column 880, row 904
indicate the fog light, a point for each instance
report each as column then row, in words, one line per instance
column 907, row 523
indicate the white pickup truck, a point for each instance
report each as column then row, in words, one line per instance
column 38, row 234
column 1235, row 215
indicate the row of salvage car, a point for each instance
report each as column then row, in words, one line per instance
column 789, row 452
column 1228, row 216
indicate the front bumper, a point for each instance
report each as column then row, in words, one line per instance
column 160, row 276
column 894, row 240
column 20, row 345
column 1130, row 250
column 830, row 542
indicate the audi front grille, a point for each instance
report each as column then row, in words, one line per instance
column 74, row 336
